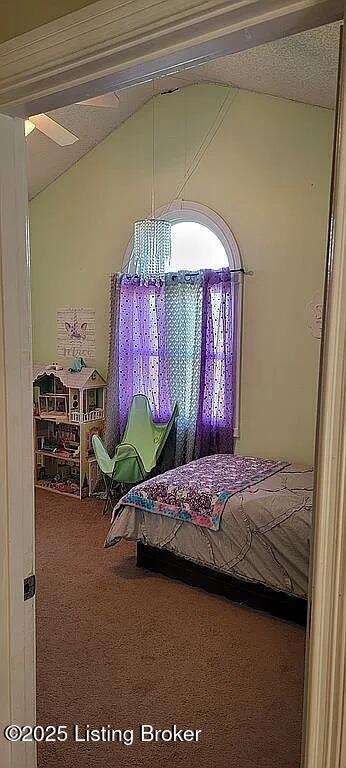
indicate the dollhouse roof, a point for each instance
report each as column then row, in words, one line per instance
column 86, row 377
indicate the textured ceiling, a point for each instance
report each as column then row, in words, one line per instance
column 302, row 68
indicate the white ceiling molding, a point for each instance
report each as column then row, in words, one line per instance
column 109, row 45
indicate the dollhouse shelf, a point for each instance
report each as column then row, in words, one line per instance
column 68, row 411
column 56, row 455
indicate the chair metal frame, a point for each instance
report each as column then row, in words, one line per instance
column 109, row 480
column 110, row 484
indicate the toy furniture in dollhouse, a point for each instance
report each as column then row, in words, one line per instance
column 68, row 411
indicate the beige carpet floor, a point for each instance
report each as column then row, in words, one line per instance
column 118, row 645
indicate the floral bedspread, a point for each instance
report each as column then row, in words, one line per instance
column 197, row 492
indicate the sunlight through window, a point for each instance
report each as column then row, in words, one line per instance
column 194, row 247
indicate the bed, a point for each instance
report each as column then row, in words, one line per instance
column 259, row 554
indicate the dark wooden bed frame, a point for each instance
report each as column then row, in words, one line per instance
column 254, row 595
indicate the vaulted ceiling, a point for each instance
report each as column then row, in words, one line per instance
column 302, row 68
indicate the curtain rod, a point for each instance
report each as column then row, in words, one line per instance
column 239, row 269
column 247, row 272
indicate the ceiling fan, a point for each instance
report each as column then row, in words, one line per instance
column 57, row 132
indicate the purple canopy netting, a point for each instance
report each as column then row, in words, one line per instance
column 140, row 350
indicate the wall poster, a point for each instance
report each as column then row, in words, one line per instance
column 76, row 333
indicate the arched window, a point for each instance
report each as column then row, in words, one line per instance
column 200, row 239
column 195, row 246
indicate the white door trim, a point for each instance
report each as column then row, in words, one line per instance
column 325, row 734
column 111, row 44
column 16, row 472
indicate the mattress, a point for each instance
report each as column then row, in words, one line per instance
column 264, row 536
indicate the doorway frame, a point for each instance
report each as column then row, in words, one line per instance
column 104, row 47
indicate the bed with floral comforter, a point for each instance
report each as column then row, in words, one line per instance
column 251, row 519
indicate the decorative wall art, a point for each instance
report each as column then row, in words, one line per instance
column 315, row 316
column 76, row 333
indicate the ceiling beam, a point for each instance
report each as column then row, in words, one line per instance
column 111, row 45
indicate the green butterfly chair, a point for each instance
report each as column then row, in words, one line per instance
column 136, row 456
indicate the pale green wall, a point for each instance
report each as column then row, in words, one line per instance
column 267, row 173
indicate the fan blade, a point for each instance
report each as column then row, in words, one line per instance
column 53, row 130
column 107, row 100
column 29, row 127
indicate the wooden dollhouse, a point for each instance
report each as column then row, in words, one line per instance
column 68, row 411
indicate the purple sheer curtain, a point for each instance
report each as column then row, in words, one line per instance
column 171, row 343
column 217, row 387
column 142, row 352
